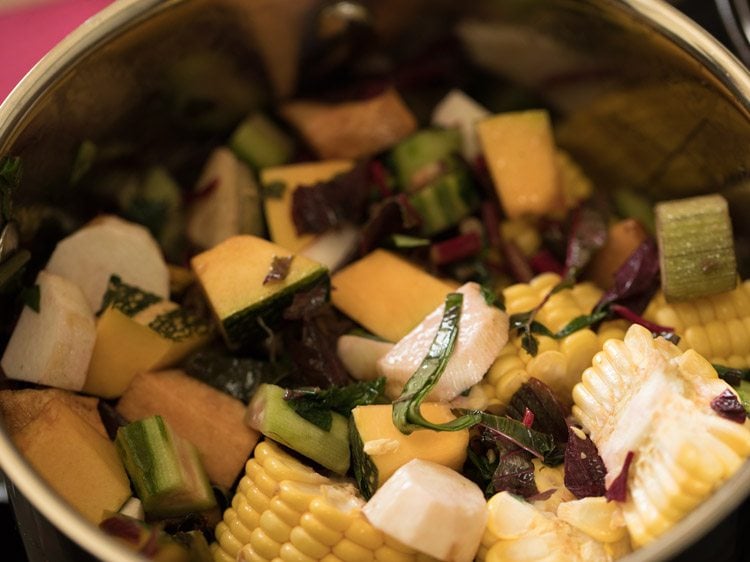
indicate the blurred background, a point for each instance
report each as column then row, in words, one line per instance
column 29, row 28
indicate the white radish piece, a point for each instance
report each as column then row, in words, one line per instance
column 110, row 246
column 360, row 355
column 457, row 109
column 333, row 247
column 52, row 347
column 432, row 509
column 227, row 202
column 133, row 508
column 482, row 333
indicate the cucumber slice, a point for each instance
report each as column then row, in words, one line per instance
column 417, row 155
column 270, row 414
column 696, row 247
column 261, row 143
column 166, row 470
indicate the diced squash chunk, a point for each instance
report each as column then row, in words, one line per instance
column 232, row 275
column 623, row 239
column 79, row 464
column 388, row 449
column 110, row 246
column 20, row 407
column 53, row 346
column 520, row 152
column 386, row 294
column 352, row 129
column 210, row 419
column 139, row 332
column 279, row 184
column 227, row 202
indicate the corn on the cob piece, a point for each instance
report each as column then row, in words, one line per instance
column 559, row 364
column 717, row 326
column 524, row 233
column 518, row 531
column 577, row 187
column 285, row 511
column 646, row 396
column 550, row 477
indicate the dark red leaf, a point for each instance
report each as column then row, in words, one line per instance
column 515, row 474
column 728, row 406
column 455, row 249
column 279, row 269
column 587, row 235
column 394, row 215
column 541, row 496
column 379, row 177
column 545, row 262
column 548, row 413
column 491, row 221
column 584, row 468
column 327, row 205
column 517, row 264
column 636, row 280
column 123, row 528
column 664, row 331
column 618, row 490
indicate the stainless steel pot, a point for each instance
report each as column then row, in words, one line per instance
column 644, row 99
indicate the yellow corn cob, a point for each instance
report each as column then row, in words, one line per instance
column 517, row 530
column 558, row 363
column 285, row 511
column 717, row 326
column 550, row 477
column 646, row 396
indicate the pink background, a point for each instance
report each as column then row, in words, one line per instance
column 29, row 29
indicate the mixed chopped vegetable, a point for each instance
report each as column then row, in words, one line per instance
column 382, row 338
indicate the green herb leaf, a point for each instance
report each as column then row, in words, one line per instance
column 365, row 471
column 491, row 297
column 31, row 297
column 539, row 444
column 316, row 405
column 404, row 242
column 10, row 177
column 406, row 414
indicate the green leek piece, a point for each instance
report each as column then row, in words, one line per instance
column 696, row 247
column 446, row 200
column 165, row 469
column 269, row 413
column 261, row 143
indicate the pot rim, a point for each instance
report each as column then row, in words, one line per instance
column 123, row 14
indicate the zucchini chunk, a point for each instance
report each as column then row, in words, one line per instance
column 165, row 469
column 260, row 143
column 270, row 414
column 232, row 276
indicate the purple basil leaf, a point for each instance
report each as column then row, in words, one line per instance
column 515, row 474
column 618, row 490
column 327, row 205
column 587, row 235
column 728, row 406
column 541, row 496
column 123, row 528
column 549, row 416
column 636, row 280
column 393, row 215
column 307, row 304
column 584, row 468
column 279, row 269
column 518, row 265
column 111, row 418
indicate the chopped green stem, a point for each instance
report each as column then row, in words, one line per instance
column 406, row 409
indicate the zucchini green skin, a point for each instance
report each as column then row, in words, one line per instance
column 260, row 143
column 445, row 201
column 270, row 414
column 421, row 149
column 166, row 472
column 248, row 327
